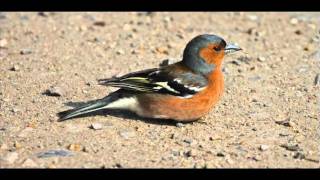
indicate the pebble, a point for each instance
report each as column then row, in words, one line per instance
column 291, row 147
column 285, row 122
column 15, row 110
column 127, row 134
column 25, row 51
column 261, row 59
column 229, row 161
column 246, row 59
column 15, row 68
column 180, row 125
column 317, row 80
column 3, row 43
column 252, row 17
column 166, row 62
column 75, row 147
column 43, row 14
column 29, row 163
column 220, row 154
column 298, row 32
column 99, row 23
column 17, row 145
column 191, row 153
column 120, row 52
column 263, row 147
column 54, row 153
column 236, row 62
column 190, row 141
column 176, row 153
column 299, row 155
column 54, row 91
column 294, row 21
column 168, row 19
column 96, row 126
column 10, row 158
column 162, row 50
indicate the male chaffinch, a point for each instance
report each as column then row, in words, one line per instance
column 183, row 91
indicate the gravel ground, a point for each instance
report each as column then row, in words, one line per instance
column 268, row 116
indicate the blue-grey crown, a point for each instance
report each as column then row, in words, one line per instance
column 191, row 53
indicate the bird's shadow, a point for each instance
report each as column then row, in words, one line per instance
column 116, row 113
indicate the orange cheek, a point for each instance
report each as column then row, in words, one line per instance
column 210, row 56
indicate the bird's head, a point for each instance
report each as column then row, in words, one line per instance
column 205, row 52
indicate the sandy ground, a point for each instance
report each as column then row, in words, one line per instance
column 268, row 116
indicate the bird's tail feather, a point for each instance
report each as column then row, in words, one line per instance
column 90, row 107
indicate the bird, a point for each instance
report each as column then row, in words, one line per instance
column 183, row 91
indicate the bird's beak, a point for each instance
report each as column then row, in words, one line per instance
column 230, row 48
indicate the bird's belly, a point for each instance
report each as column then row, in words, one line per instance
column 180, row 109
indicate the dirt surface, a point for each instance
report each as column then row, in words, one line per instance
column 268, row 116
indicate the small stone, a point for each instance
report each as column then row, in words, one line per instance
column 261, row 59
column 256, row 158
column 99, row 23
column 220, row 154
column 75, row 147
column 54, row 153
column 180, row 125
column 299, row 155
column 285, row 122
column 291, row 147
column 294, row 21
column 236, row 62
column 283, row 134
column 252, row 17
column 120, row 52
column 54, row 91
column 176, row 153
column 10, row 158
column 15, row 68
column 25, row 51
column 96, row 126
column 162, row 50
column 190, row 142
column 263, row 147
column 127, row 134
column 98, row 40
column 317, row 80
column 298, row 32
column 14, row 110
column 29, row 163
column 86, row 149
column 191, row 153
column 166, row 62
column 230, row 161
column 43, row 14
column 3, row 43
column 17, row 145
column 168, row 19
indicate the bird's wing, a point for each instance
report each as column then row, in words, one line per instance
column 171, row 79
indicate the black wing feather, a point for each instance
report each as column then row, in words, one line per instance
column 159, row 80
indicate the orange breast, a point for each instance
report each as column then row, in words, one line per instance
column 184, row 109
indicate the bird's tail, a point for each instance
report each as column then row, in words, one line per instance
column 87, row 108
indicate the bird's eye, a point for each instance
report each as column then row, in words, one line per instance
column 217, row 48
